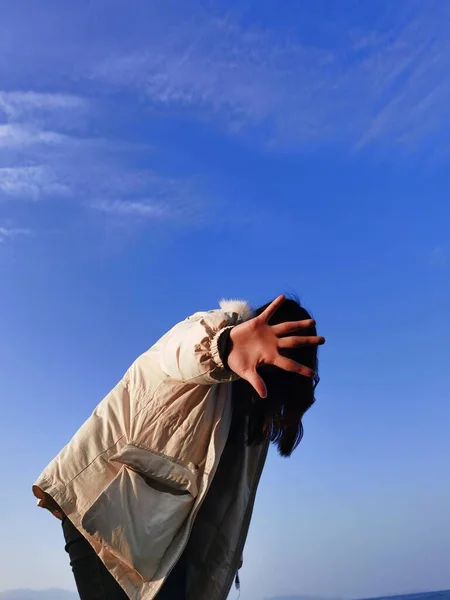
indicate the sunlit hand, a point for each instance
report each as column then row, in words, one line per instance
column 256, row 343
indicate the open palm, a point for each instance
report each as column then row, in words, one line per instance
column 256, row 343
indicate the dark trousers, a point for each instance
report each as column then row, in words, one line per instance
column 93, row 580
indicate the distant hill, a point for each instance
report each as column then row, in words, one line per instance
column 441, row 595
column 297, row 597
column 53, row 594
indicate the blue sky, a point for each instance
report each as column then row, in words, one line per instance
column 157, row 156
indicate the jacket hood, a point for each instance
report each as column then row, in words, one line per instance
column 240, row 307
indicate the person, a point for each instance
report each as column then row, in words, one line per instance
column 156, row 489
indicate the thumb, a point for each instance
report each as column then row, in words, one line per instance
column 257, row 382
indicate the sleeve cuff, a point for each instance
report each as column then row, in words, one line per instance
column 221, row 347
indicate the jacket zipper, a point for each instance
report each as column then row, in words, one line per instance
column 244, row 529
column 186, row 534
column 186, row 537
column 245, row 526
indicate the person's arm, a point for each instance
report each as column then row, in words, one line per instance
column 191, row 352
column 196, row 350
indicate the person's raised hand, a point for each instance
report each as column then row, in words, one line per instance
column 256, row 343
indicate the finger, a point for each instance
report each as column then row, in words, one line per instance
column 256, row 381
column 270, row 310
column 294, row 367
column 294, row 341
column 291, row 326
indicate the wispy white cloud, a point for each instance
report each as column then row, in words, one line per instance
column 141, row 209
column 147, row 196
column 32, row 150
column 35, row 121
column 30, row 183
column 294, row 84
column 29, row 104
column 9, row 233
column 13, row 136
column 359, row 84
column 209, row 66
column 41, row 160
column 387, row 85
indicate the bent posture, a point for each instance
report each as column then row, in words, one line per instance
column 156, row 489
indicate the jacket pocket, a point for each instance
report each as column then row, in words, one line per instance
column 138, row 515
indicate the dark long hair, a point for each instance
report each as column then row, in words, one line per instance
column 289, row 395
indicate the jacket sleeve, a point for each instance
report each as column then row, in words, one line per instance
column 194, row 350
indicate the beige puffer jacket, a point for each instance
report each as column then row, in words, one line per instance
column 135, row 475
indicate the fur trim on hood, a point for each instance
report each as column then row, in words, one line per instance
column 240, row 307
